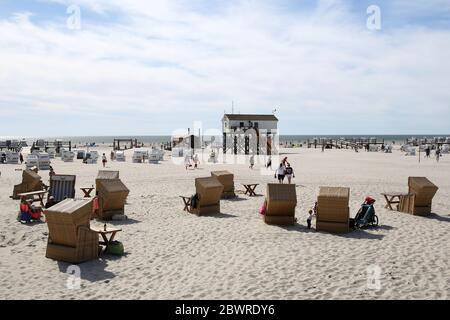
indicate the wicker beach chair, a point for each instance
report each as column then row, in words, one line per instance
column 333, row 212
column 227, row 180
column 62, row 187
column 281, row 200
column 31, row 182
column 420, row 197
column 112, row 196
column 70, row 238
column 208, row 193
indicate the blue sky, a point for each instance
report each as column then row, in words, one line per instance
column 151, row 67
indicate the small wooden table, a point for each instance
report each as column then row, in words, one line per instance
column 250, row 189
column 187, row 203
column 87, row 191
column 36, row 195
column 109, row 230
column 392, row 198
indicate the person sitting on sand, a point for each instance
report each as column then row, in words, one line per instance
column 50, row 203
column 24, row 210
column 280, row 173
column 289, row 172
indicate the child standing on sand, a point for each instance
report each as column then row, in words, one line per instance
column 312, row 214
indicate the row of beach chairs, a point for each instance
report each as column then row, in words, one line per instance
column 333, row 211
column 72, row 240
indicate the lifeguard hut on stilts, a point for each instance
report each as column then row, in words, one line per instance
column 250, row 134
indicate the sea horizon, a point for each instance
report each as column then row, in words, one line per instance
column 105, row 139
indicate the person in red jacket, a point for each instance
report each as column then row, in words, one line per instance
column 24, row 211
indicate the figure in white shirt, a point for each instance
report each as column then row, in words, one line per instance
column 280, row 173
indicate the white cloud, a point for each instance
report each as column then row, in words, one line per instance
column 322, row 68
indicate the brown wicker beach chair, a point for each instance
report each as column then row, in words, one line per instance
column 112, row 196
column 227, row 180
column 420, row 197
column 31, row 182
column 209, row 192
column 333, row 212
column 70, row 238
column 281, row 201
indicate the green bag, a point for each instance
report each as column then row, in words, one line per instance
column 115, row 248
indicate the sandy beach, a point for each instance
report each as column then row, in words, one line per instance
column 171, row 254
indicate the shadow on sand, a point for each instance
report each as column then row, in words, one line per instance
column 438, row 217
column 121, row 222
column 235, row 199
column 220, row 215
column 92, row 271
column 353, row 234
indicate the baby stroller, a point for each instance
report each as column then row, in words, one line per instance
column 366, row 216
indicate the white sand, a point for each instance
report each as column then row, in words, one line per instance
column 172, row 254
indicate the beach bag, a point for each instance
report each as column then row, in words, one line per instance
column 115, row 248
column 263, row 209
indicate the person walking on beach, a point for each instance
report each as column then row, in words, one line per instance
column 289, row 172
column 196, row 161
column 280, row 173
column 438, row 154
column 427, row 152
column 187, row 162
column 252, row 162
column 104, row 160
column 21, row 158
column 269, row 163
